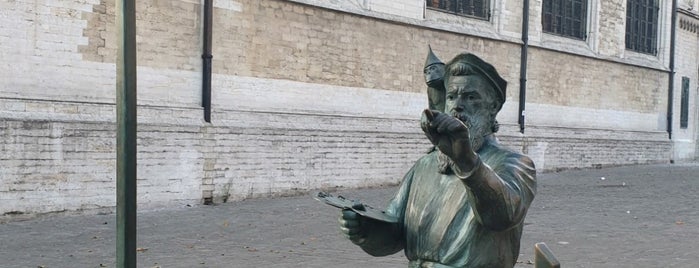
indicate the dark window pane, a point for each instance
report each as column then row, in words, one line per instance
column 565, row 17
column 642, row 25
column 684, row 105
column 474, row 8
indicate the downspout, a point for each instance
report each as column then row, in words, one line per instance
column 523, row 65
column 206, row 56
column 671, row 81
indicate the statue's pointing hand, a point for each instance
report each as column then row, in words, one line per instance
column 451, row 137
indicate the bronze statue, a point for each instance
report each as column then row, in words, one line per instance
column 434, row 78
column 464, row 204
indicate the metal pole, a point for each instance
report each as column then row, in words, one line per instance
column 126, row 133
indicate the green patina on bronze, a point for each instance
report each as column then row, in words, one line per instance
column 464, row 204
column 434, row 78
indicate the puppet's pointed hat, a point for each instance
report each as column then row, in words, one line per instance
column 431, row 58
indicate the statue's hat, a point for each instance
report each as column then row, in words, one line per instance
column 431, row 58
column 486, row 70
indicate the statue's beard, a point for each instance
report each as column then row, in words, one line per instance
column 479, row 126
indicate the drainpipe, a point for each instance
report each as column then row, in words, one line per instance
column 523, row 65
column 671, row 81
column 206, row 56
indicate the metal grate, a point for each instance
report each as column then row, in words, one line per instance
column 684, row 103
column 472, row 8
column 565, row 17
column 642, row 26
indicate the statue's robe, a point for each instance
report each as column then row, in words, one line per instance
column 448, row 221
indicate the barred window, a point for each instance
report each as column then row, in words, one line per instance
column 642, row 26
column 565, row 17
column 471, row 8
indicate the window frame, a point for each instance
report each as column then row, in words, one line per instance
column 486, row 9
column 564, row 11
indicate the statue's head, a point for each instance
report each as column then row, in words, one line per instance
column 475, row 94
column 434, row 69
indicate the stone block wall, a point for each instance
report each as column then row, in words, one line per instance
column 44, row 166
column 612, row 28
column 63, row 162
column 560, row 148
column 334, row 152
column 407, row 8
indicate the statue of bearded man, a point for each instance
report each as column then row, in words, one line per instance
column 464, row 204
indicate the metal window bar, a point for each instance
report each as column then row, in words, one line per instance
column 565, row 18
column 642, row 25
column 470, row 8
column 684, row 103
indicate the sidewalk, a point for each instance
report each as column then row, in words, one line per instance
column 640, row 216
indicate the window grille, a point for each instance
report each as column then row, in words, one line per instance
column 472, row 8
column 565, row 17
column 642, row 26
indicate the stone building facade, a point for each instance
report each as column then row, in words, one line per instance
column 686, row 90
column 314, row 94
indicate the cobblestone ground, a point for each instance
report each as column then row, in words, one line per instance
column 640, row 216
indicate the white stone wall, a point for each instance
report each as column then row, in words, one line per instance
column 62, row 161
column 273, row 137
column 559, row 148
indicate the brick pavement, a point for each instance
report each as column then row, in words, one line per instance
column 639, row 216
